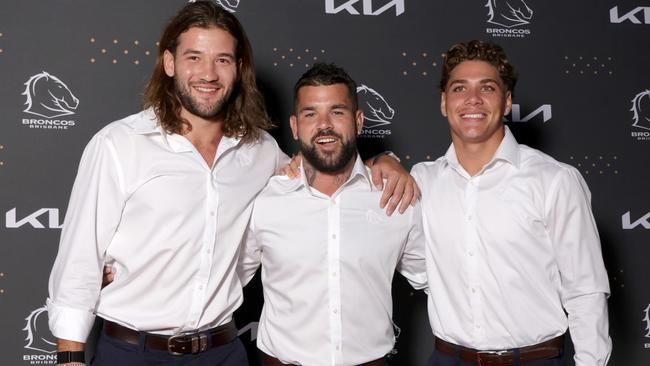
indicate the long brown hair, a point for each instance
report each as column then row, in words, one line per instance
column 245, row 112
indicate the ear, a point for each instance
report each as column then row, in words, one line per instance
column 443, row 104
column 508, row 105
column 168, row 63
column 293, row 121
column 358, row 119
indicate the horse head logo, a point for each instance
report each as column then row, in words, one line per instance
column 641, row 110
column 38, row 335
column 509, row 13
column 49, row 97
column 230, row 5
column 374, row 106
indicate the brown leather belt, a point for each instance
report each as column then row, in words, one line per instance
column 177, row 344
column 272, row 361
column 542, row 351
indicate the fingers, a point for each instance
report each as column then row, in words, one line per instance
column 387, row 197
column 407, row 197
column 378, row 182
column 107, row 276
column 397, row 194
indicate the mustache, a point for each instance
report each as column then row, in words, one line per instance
column 326, row 133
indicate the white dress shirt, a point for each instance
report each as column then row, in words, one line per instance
column 511, row 248
column 146, row 202
column 327, row 269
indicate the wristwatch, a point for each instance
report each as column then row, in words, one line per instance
column 70, row 357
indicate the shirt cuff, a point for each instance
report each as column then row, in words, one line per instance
column 69, row 323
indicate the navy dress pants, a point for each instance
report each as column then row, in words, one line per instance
column 113, row 352
column 442, row 359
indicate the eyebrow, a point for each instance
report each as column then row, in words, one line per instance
column 335, row 106
column 463, row 81
column 197, row 52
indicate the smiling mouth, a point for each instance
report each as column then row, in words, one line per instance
column 473, row 115
column 325, row 140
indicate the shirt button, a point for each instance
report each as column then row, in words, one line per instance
column 200, row 287
column 211, row 213
column 333, row 236
column 335, row 311
column 473, row 290
column 338, row 348
column 208, row 250
column 471, row 254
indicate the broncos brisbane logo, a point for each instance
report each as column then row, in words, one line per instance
column 49, row 97
column 641, row 110
column 38, row 334
column 509, row 13
column 376, row 110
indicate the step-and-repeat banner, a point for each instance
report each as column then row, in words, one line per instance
column 70, row 67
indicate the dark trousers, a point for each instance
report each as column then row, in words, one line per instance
column 112, row 352
column 441, row 359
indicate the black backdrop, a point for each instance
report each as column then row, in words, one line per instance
column 583, row 97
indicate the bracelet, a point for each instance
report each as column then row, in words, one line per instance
column 385, row 153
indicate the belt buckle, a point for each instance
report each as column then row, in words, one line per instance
column 198, row 343
column 496, row 353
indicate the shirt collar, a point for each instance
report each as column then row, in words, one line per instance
column 148, row 124
column 359, row 172
column 508, row 151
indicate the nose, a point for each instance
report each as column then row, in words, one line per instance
column 325, row 122
column 208, row 71
column 474, row 96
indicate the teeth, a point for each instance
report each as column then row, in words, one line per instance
column 205, row 89
column 473, row 115
column 324, row 141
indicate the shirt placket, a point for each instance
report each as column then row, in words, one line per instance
column 334, row 271
column 472, row 258
column 200, row 281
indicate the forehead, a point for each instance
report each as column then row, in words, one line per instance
column 210, row 39
column 474, row 70
column 323, row 94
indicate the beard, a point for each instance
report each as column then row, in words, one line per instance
column 329, row 162
column 192, row 105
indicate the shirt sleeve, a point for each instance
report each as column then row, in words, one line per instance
column 92, row 218
column 583, row 280
column 250, row 256
column 412, row 264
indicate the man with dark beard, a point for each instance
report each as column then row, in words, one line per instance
column 164, row 197
column 328, row 253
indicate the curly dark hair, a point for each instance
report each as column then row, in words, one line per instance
column 479, row 51
column 245, row 112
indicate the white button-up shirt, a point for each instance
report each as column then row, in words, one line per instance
column 511, row 248
column 327, row 269
column 146, row 202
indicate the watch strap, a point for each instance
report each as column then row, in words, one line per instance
column 70, row 356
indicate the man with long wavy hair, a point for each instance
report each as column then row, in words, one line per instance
column 163, row 196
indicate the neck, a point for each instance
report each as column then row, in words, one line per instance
column 325, row 182
column 205, row 135
column 473, row 156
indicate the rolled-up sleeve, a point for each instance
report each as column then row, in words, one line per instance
column 92, row 218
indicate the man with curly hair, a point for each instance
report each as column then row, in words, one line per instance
column 514, row 256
